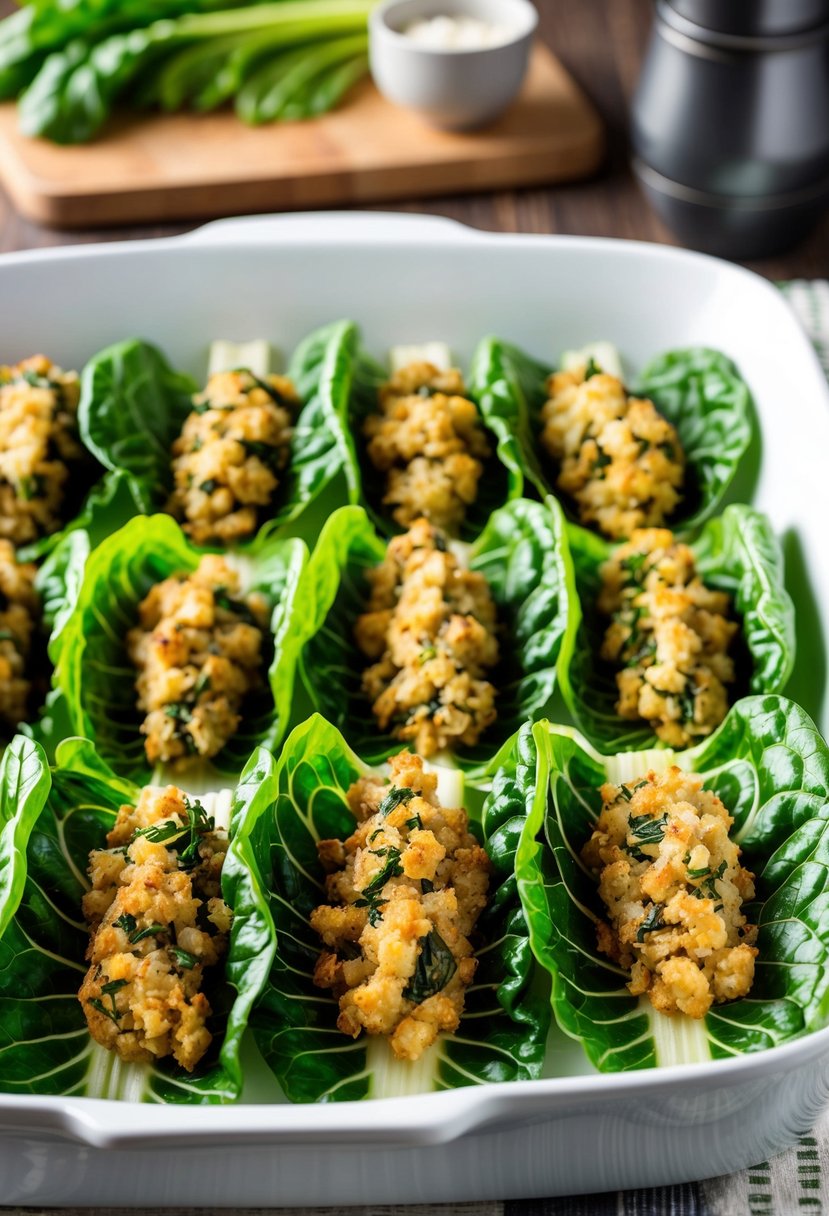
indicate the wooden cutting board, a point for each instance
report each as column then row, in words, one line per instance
column 185, row 166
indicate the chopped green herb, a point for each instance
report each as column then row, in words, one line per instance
column 427, row 653
column 272, row 392
column 435, row 967
column 426, row 886
column 184, row 958
column 647, row 830
column 634, row 563
column 414, row 823
column 395, row 796
column 269, row 453
column 197, row 444
column 179, row 711
column 210, row 486
column 126, row 922
column 592, row 369
column 651, row 922
column 32, row 487
column 109, row 990
column 150, row 931
column 202, row 684
column 392, row 869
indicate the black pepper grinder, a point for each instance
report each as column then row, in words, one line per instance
column 730, row 122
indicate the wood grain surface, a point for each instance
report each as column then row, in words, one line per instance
column 601, row 43
column 197, row 166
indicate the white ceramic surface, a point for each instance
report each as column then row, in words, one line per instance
column 452, row 89
column 408, row 279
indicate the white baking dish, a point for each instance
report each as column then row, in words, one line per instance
column 411, row 280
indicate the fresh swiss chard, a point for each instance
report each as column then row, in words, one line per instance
column 291, row 804
column 699, row 390
column 769, row 765
column 737, row 552
column 94, row 672
column 133, row 406
column 522, row 553
column 49, row 822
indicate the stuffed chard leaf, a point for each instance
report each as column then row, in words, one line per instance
column 293, row 803
column 94, row 672
column 500, row 479
column 736, row 553
column 134, row 405
column 770, row 767
column 699, row 391
column 50, row 820
column 522, row 554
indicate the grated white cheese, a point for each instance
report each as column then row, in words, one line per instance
column 457, row 34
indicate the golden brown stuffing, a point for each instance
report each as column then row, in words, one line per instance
column 230, row 455
column 198, row 651
column 430, row 629
column 670, row 634
column 429, row 442
column 157, row 920
column 39, row 447
column 404, row 890
column 673, row 886
column 620, row 461
column 19, row 610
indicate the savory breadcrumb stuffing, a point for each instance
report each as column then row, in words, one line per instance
column 198, row 651
column 39, row 447
column 673, row 886
column 229, row 457
column 404, row 891
column 19, row 610
column 670, row 634
column 429, row 441
column 157, row 920
column 430, row 629
column 620, row 461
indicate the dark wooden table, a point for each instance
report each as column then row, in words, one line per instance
column 601, row 42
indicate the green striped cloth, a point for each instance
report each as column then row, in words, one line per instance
column 796, row 1181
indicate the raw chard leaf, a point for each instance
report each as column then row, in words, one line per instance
column 45, row 1046
column 94, row 672
column 133, row 406
column 769, row 765
column 499, row 483
column 699, row 390
column 24, row 785
column 523, row 555
column 297, row 801
column 738, row 553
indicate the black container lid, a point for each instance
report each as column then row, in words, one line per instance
column 754, row 18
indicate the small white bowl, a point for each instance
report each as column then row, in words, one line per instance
column 452, row 89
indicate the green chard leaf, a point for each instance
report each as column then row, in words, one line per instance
column 737, row 552
column 297, row 801
column 49, row 823
column 769, row 765
column 94, row 673
column 523, row 555
column 699, row 390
